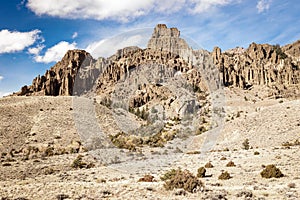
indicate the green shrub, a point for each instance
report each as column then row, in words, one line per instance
column 271, row 171
column 121, row 140
column 169, row 174
column 131, row 142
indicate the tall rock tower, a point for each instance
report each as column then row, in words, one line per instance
column 167, row 39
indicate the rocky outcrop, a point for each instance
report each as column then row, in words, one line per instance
column 60, row 79
column 260, row 64
column 167, row 39
column 123, row 67
column 293, row 51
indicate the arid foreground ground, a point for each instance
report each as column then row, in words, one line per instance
column 39, row 148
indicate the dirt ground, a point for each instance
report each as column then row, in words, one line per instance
column 39, row 143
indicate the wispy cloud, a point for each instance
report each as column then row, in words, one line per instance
column 108, row 47
column 263, row 5
column 13, row 41
column 1, row 77
column 201, row 6
column 53, row 54
column 21, row 4
column 75, row 34
column 2, row 94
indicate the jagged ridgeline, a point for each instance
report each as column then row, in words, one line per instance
column 78, row 73
column 260, row 64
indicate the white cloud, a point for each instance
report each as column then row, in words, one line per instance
column 13, row 41
column 119, row 10
column 75, row 34
column 36, row 50
column 54, row 53
column 108, row 47
column 94, row 9
column 263, row 5
column 168, row 6
column 1, row 78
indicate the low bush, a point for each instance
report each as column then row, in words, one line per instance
column 271, row 171
column 230, row 164
column 201, row 172
column 223, row 158
column 146, row 178
column 246, row 144
column 182, row 180
column 79, row 164
column 224, row 176
column 208, row 165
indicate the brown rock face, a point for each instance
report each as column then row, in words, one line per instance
column 260, row 64
column 59, row 80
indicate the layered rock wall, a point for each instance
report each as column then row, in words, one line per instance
column 260, row 64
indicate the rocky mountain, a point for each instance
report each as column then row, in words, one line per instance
column 259, row 64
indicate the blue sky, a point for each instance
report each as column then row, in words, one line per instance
column 34, row 34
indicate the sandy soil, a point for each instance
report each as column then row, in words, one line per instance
column 39, row 142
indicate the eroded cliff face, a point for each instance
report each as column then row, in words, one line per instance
column 59, row 80
column 260, row 64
